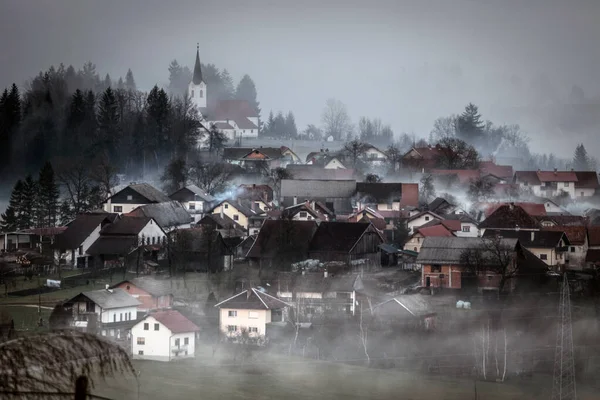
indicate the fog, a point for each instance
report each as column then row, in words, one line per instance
column 403, row 61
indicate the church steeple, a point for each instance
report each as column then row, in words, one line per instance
column 197, row 79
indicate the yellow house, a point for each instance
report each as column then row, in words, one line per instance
column 249, row 311
column 238, row 210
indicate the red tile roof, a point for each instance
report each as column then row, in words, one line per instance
column 428, row 153
column 435, row 231
column 501, row 171
column 175, row 321
column 594, row 236
column 557, row 176
column 587, row 180
column 464, row 175
column 410, row 195
column 223, row 125
column 533, row 209
column 575, row 234
column 233, row 109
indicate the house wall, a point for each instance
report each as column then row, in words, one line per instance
column 334, row 163
column 451, row 276
column 552, row 257
column 159, row 345
column 414, row 243
column 417, row 222
column 576, row 256
column 395, row 206
column 232, row 211
column 106, row 316
column 243, row 320
column 473, row 231
column 125, row 207
column 152, row 230
column 584, row 192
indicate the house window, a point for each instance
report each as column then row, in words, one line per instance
column 186, row 341
column 572, row 249
column 226, row 206
column 141, row 341
column 153, row 240
column 129, row 316
column 252, row 314
column 426, row 218
column 566, row 184
column 80, row 250
column 235, row 217
column 177, row 342
column 129, row 197
column 146, row 326
column 256, row 204
column 120, row 317
column 231, row 328
column 232, row 313
column 201, row 93
column 253, row 329
column 543, row 256
column 114, row 317
column 302, row 214
column 156, row 327
column 117, row 209
column 466, row 228
column 436, row 268
column 192, row 206
column 141, row 352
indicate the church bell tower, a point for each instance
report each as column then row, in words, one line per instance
column 197, row 87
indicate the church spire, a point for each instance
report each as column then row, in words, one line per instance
column 197, row 79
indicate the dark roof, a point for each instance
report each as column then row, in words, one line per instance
column 334, row 236
column 380, row 192
column 113, row 298
column 449, row 250
column 244, row 123
column 155, row 287
column 314, row 188
column 238, row 153
column 79, row 229
column 127, row 225
column 252, row 299
column 200, row 240
column 167, row 215
column 541, row 239
column 576, row 234
column 509, row 216
column 223, row 222
column 296, row 234
column 565, row 220
column 530, row 177
column 233, row 109
column 592, row 256
column 113, row 245
column 344, row 283
column 242, row 205
column 147, row 191
column 302, row 171
column 174, row 321
column 501, row 171
column 197, row 78
column 222, row 125
column 256, row 192
column 409, row 305
column 196, row 191
column 587, row 180
column 439, row 202
column 594, row 235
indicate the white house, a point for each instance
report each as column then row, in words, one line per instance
column 334, row 163
column 195, row 200
column 133, row 196
column 164, row 336
column 374, row 156
column 552, row 183
column 421, row 219
column 249, row 311
column 105, row 311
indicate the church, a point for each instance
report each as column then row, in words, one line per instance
column 235, row 118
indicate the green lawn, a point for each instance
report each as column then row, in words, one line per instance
column 275, row 377
column 50, row 299
column 26, row 318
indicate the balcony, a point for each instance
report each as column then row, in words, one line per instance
column 179, row 349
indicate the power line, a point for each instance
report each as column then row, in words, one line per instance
column 563, row 387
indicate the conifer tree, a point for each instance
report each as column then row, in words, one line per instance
column 290, row 125
column 10, row 218
column 581, row 160
column 268, row 127
column 47, row 199
column 469, row 125
column 228, row 88
column 108, row 123
column 27, row 210
column 246, row 90
column 129, row 81
column 120, row 84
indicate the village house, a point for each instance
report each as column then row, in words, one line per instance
column 249, row 312
column 169, row 215
column 258, row 159
column 421, row 219
column 203, row 249
column 549, row 246
column 509, row 217
column 238, row 210
column 314, row 295
column 578, row 248
column 503, row 172
column 415, row 241
column 334, row 194
column 41, row 239
column 302, row 212
column 421, row 158
column 554, row 183
column 128, row 241
column 367, row 214
column 153, row 294
column 108, row 312
column 442, row 206
column 195, row 200
column 261, row 195
column 587, row 184
column 72, row 245
column 133, row 196
column 592, row 257
column 281, row 242
column 404, row 311
column 315, row 171
column 387, row 196
column 356, row 244
column 450, row 177
column 374, row 156
column 164, row 336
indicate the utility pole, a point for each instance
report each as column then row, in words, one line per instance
column 563, row 386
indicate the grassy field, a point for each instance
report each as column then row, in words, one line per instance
column 275, row 377
column 26, row 318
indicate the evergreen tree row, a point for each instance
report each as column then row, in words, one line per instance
column 280, row 127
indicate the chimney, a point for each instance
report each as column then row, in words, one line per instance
column 325, row 274
column 295, row 200
column 532, row 236
column 555, row 171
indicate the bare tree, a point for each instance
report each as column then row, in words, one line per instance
column 210, row 176
column 335, row 119
column 354, row 150
column 52, row 362
column 394, row 156
column 104, row 174
column 480, row 190
column 456, row 154
column 215, row 139
column 443, row 127
column 493, row 255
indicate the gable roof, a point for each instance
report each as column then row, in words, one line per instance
column 335, row 236
column 576, row 234
column 565, row 220
column 435, row 231
column 167, row 215
column 293, row 210
column 529, row 177
column 427, row 153
column 174, row 321
column 414, row 305
column 113, row 298
column 242, row 205
column 256, row 192
column 449, row 250
column 223, row 222
column 594, row 235
column 509, row 216
column 114, row 245
column 233, row 109
column 252, row 299
column 126, row 225
column 79, row 229
column 302, row 171
column 533, row 209
column 439, row 202
column 222, row 125
column 431, row 213
column 196, row 191
column 311, row 188
column 155, row 287
column 241, row 153
column 537, row 239
column 557, row 176
column 297, row 234
column 587, row 180
column 147, row 191
column 380, row 192
column 501, row 171
column 464, row 175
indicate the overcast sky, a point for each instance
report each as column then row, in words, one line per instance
column 391, row 59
